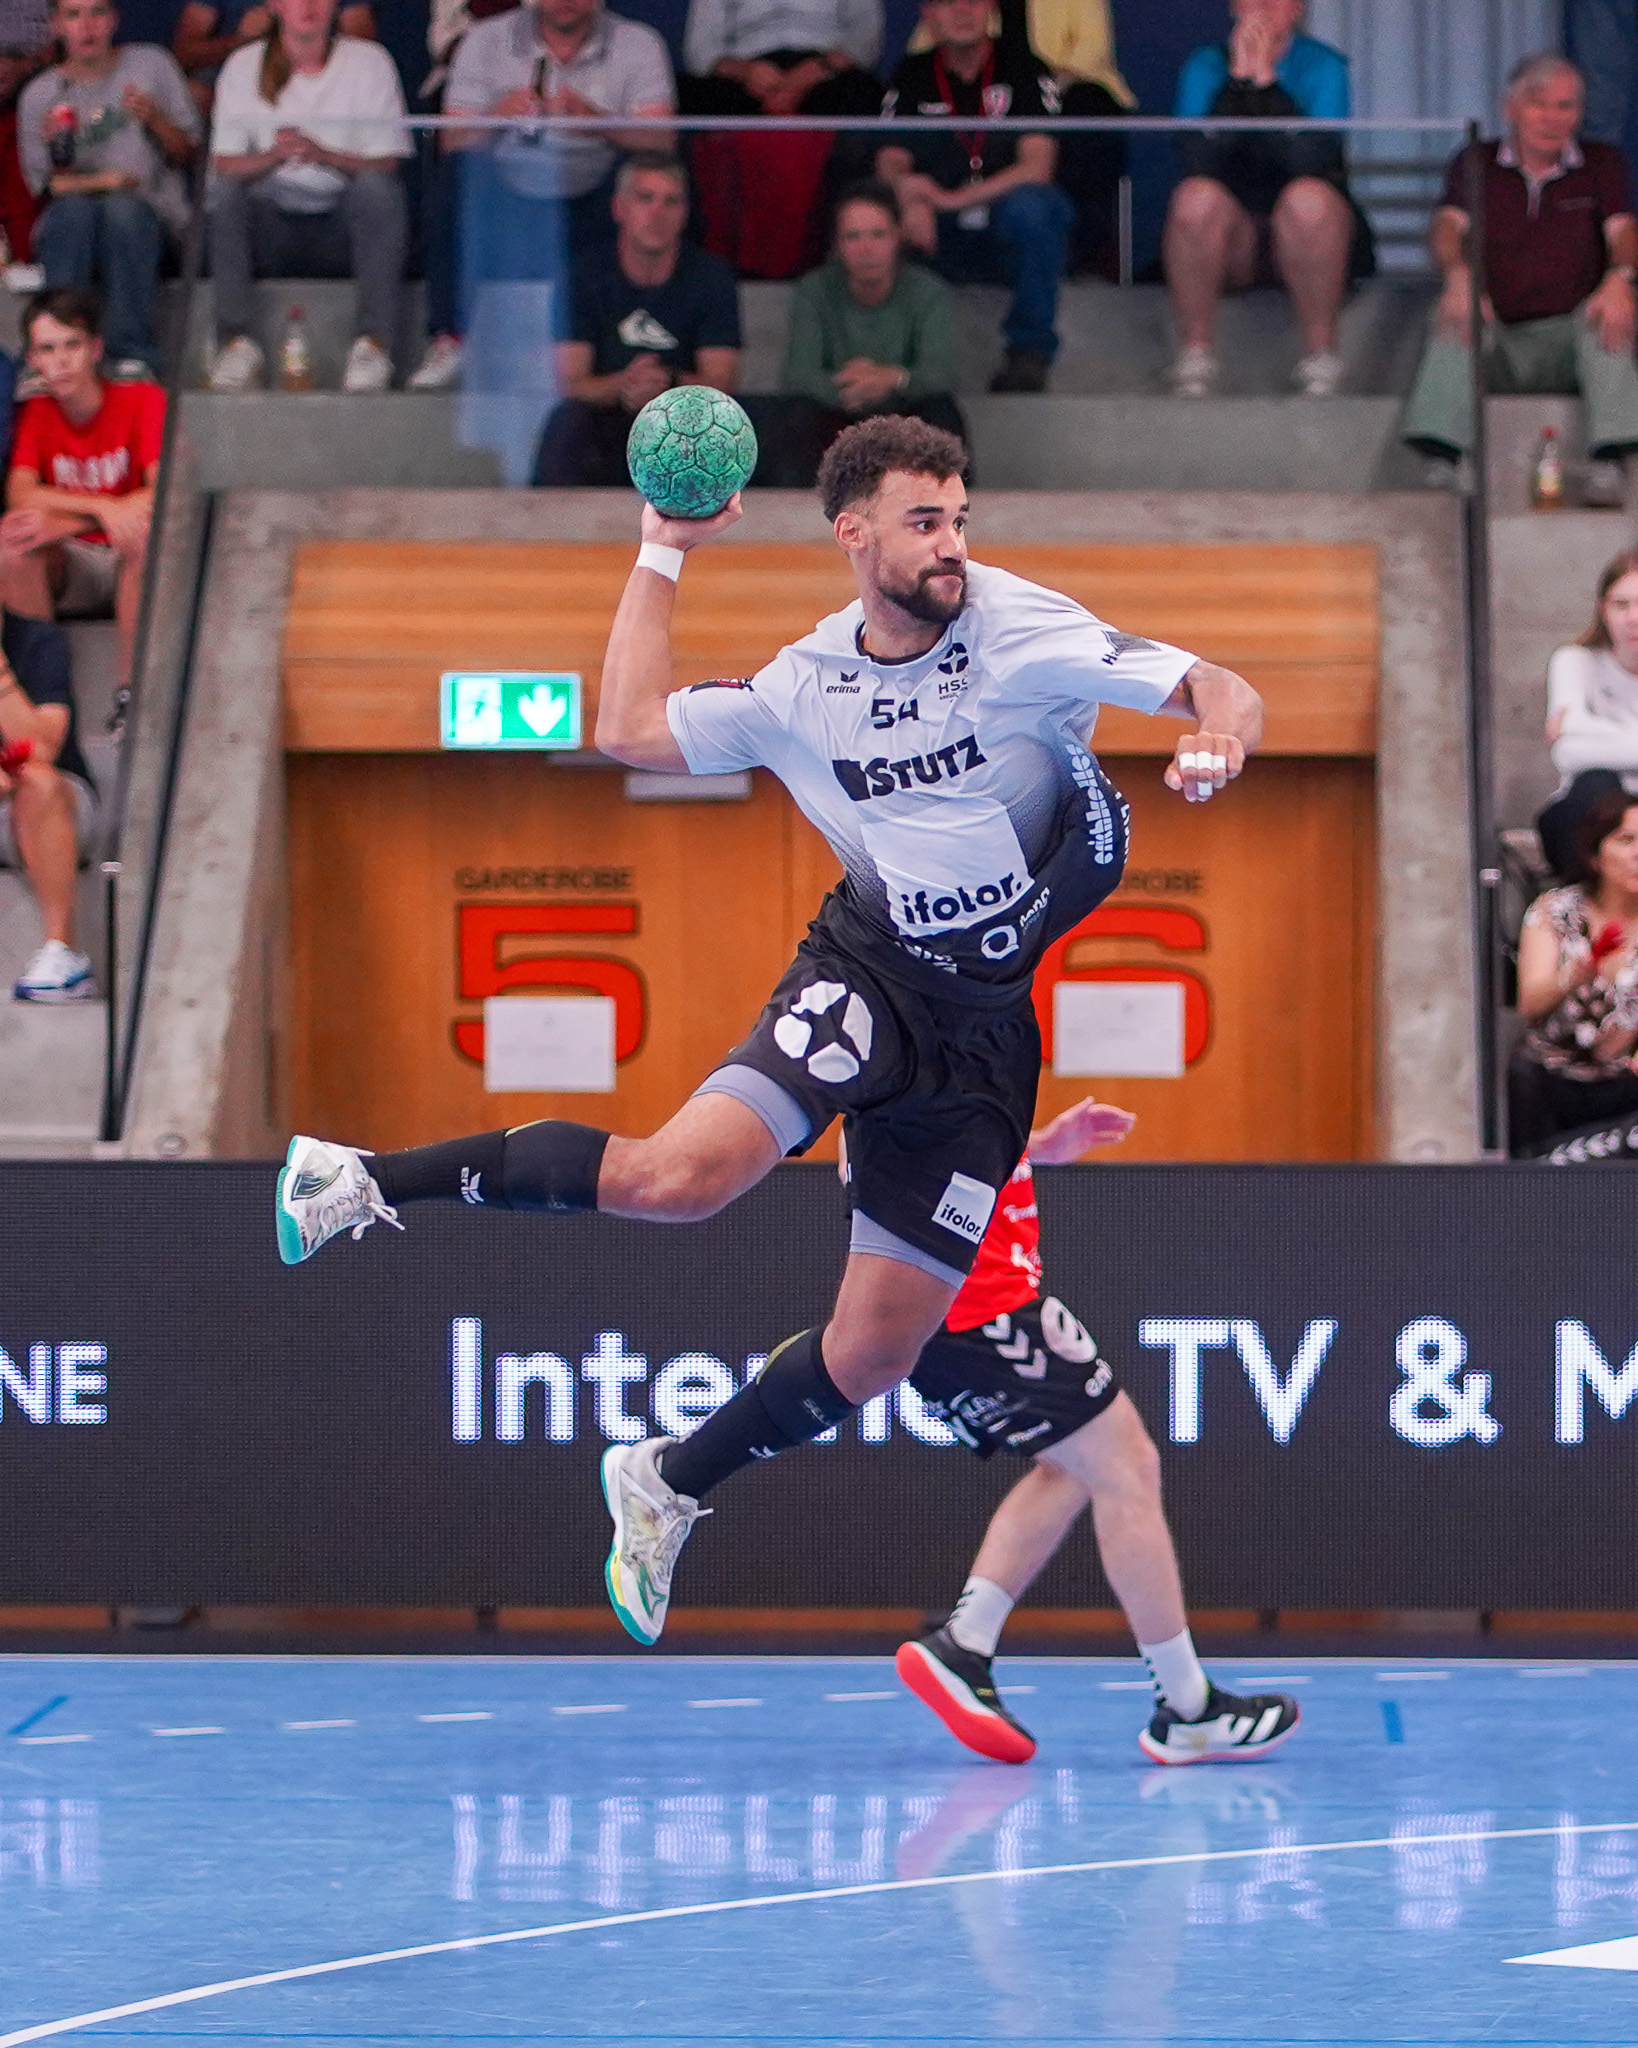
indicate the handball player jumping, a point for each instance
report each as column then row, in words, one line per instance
column 936, row 731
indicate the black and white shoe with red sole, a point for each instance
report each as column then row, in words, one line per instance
column 1232, row 1730
column 957, row 1684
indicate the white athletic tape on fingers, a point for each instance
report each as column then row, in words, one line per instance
column 1219, row 764
column 1206, row 789
column 663, row 561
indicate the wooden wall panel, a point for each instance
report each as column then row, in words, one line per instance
column 377, row 844
column 372, row 624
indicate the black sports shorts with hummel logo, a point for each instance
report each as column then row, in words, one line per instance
column 1021, row 1383
column 938, row 1095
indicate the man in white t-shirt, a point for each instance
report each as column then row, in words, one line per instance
column 309, row 130
column 936, row 732
column 524, row 200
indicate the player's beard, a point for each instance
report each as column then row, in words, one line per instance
column 919, row 600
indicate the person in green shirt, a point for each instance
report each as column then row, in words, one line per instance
column 869, row 333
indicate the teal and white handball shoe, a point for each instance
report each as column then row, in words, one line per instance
column 651, row 1524
column 325, row 1189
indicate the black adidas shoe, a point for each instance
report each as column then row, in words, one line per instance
column 957, row 1685
column 1232, row 1730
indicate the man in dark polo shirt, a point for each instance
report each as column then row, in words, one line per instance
column 651, row 312
column 983, row 205
column 1560, row 261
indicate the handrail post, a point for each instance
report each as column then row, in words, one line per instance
column 1480, row 712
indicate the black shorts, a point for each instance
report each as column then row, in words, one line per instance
column 1022, row 1383
column 938, row 1096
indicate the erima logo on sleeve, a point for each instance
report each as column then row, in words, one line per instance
column 965, row 1207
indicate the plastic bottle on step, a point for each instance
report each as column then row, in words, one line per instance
column 296, row 354
column 1547, row 474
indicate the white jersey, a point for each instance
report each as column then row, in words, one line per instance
column 956, row 789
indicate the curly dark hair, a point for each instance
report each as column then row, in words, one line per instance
column 1604, row 815
column 861, row 456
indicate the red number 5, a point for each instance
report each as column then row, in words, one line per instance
column 480, row 929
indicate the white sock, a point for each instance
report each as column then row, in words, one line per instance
column 980, row 1616
column 1176, row 1672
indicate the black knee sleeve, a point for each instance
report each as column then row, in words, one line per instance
column 552, row 1165
column 799, row 1394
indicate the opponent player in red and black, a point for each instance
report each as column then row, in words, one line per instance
column 1015, row 1370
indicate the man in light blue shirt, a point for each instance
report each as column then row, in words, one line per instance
column 1263, row 208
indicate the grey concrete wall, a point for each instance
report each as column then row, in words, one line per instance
column 206, row 1045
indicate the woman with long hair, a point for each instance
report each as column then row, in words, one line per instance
column 1578, row 988
column 1592, row 711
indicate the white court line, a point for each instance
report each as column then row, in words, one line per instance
column 1020, row 1688
column 613, row 1708
column 1555, row 1671
column 1116, row 1685
column 318, row 1724
column 455, row 1717
column 861, row 1695
column 187, row 1731
column 1274, row 1678
column 1408, row 1677
column 1620, row 1954
column 37, row 1739
column 167, row 2001
column 725, row 1703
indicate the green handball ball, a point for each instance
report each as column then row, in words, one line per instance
column 689, row 450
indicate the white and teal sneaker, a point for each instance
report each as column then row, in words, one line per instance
column 325, row 1189
column 651, row 1524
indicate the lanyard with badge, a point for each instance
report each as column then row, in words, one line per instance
column 973, row 217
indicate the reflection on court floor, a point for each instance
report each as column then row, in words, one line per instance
column 766, row 1850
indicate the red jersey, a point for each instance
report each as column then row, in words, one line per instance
column 114, row 454
column 1007, row 1272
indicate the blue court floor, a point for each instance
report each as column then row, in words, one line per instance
column 760, row 1850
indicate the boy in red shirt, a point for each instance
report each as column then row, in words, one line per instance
column 80, row 491
column 1012, row 1370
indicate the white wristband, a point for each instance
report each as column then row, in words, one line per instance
column 663, row 561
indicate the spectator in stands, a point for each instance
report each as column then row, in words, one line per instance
column 1602, row 37
column 982, row 206
column 526, row 200
column 1560, row 259
column 26, row 48
column 105, row 135
column 1578, row 988
column 651, row 312
column 80, row 490
column 868, row 333
column 447, row 24
column 209, row 31
column 48, row 805
column 1263, row 208
column 308, row 137
column 781, row 57
column 1076, row 42
column 1592, row 712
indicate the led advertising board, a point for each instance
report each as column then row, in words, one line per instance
column 1371, row 1386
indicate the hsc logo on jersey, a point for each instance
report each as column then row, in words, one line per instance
column 882, row 777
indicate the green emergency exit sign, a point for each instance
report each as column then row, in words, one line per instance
column 509, row 710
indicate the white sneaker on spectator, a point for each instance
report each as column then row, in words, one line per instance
column 369, row 367
column 130, row 370
column 238, row 367
column 1320, row 375
column 441, row 365
column 56, row 974
column 1194, row 374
